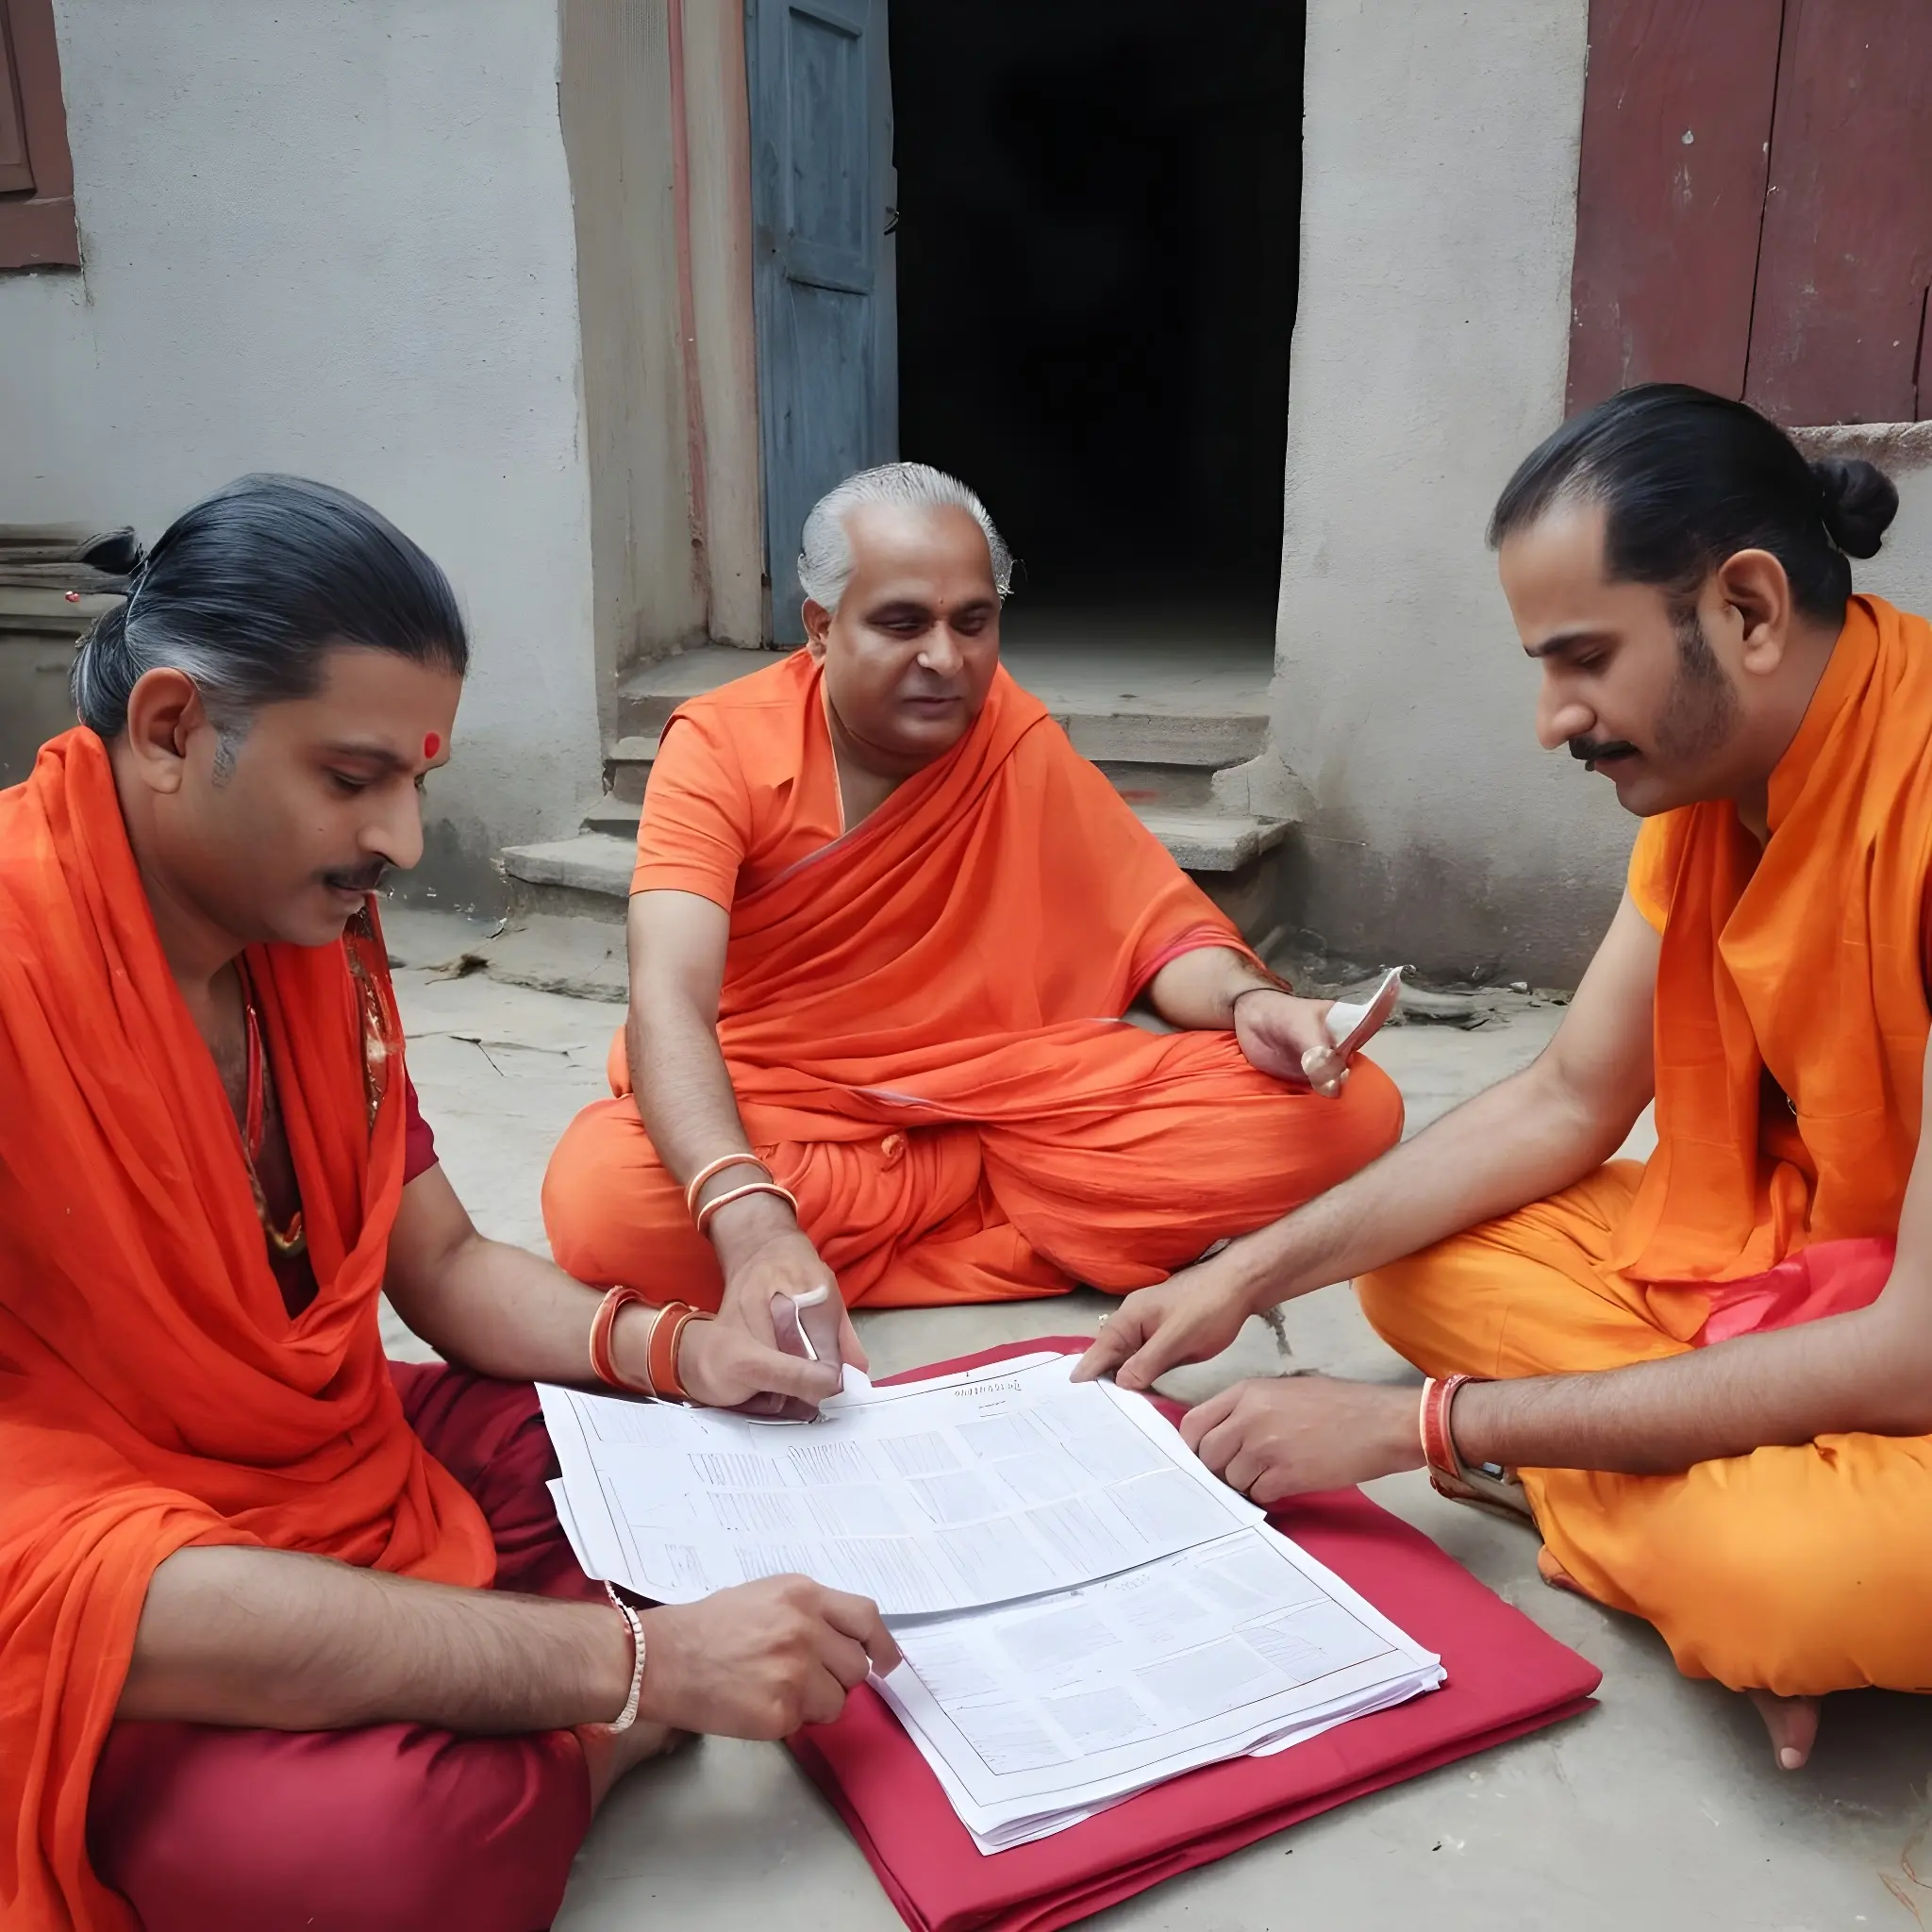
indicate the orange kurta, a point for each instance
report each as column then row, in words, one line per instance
column 1791, row 1021
column 922, row 1020
column 154, row 1392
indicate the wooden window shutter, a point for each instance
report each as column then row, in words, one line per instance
column 37, row 226
column 1847, row 252
column 1669, row 196
column 16, row 166
column 1753, row 208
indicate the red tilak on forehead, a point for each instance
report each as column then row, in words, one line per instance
column 432, row 744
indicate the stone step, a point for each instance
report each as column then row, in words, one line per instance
column 589, row 875
column 592, row 873
column 1167, row 718
column 1150, row 786
column 1204, row 840
column 615, row 817
column 627, row 765
column 1181, row 787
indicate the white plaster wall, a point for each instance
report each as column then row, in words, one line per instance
column 1903, row 569
column 335, row 238
column 1429, row 356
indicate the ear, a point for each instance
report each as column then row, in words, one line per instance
column 818, row 621
column 164, row 712
column 1754, row 585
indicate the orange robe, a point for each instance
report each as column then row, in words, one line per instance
column 1791, row 1028
column 922, row 1020
column 154, row 1392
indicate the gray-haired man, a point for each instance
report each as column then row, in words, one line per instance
column 886, row 925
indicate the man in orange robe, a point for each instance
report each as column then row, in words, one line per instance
column 1713, row 1372
column 885, row 932
column 253, row 1670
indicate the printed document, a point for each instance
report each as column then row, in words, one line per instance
column 942, row 1495
column 1035, row 1715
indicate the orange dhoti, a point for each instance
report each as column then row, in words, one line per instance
column 1790, row 1034
column 1027, row 1202
column 1795, row 1569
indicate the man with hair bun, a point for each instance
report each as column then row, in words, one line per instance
column 290, row 1636
column 1709, row 1377
column 886, row 929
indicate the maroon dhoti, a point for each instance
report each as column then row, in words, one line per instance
column 392, row 1828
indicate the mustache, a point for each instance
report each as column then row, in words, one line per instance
column 1594, row 750
column 364, row 878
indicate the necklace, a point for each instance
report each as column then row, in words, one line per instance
column 284, row 1244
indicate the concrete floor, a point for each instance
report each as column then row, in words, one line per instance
column 1658, row 1808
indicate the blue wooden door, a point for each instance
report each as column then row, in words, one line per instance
column 822, row 193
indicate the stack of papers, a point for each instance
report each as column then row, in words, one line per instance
column 1035, row 1715
column 1084, row 1610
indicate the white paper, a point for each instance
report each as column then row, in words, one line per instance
column 572, row 1534
column 1035, row 1715
column 970, row 1489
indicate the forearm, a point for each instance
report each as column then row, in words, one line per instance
column 1197, row 991
column 1515, row 1143
column 1846, row 1374
column 684, row 1097
column 271, row 1638
column 680, row 1082
column 505, row 1312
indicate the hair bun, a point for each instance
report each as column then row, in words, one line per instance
column 1858, row 501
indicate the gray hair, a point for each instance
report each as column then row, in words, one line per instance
column 825, row 564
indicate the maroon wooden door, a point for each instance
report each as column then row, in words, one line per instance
column 1754, row 205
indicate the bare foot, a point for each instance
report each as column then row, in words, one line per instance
column 1553, row 1573
column 1792, row 1723
column 608, row 1754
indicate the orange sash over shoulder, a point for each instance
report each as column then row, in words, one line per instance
column 154, row 1392
column 998, row 908
column 1808, row 967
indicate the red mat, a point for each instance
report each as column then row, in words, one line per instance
column 1505, row 1676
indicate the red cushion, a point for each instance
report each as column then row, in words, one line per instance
column 1505, row 1676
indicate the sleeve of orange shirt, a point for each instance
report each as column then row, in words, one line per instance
column 696, row 829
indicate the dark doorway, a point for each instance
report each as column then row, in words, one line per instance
column 1099, row 210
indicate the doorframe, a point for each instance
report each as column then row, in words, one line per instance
column 656, row 122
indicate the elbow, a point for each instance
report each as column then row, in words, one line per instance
column 1894, row 1380
column 1905, row 1412
column 1586, row 1126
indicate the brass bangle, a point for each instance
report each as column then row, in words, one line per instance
column 711, row 1171
column 744, row 1193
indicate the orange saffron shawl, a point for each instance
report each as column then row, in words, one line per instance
column 1807, row 963
column 963, row 945
column 154, row 1392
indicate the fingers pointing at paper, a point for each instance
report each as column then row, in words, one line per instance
column 1187, row 1318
